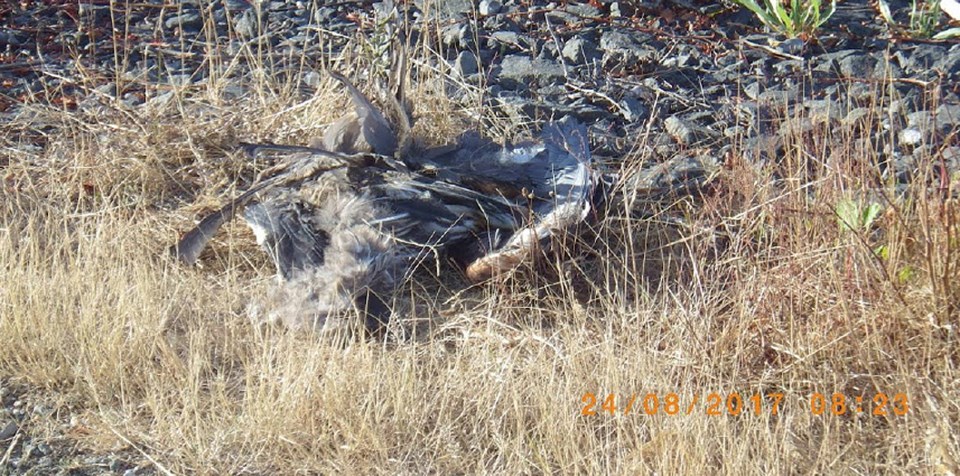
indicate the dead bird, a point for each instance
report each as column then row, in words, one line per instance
column 365, row 129
column 344, row 228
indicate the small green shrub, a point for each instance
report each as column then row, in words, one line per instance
column 925, row 19
column 857, row 217
column 799, row 18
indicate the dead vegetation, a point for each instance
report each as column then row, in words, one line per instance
column 762, row 291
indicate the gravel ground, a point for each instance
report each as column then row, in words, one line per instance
column 700, row 75
column 42, row 436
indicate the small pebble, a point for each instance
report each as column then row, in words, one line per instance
column 8, row 430
column 489, row 7
column 911, row 136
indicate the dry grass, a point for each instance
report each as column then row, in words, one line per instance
column 762, row 293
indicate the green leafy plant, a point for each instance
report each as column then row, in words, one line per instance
column 853, row 216
column 925, row 18
column 793, row 19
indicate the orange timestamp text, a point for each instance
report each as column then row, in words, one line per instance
column 735, row 403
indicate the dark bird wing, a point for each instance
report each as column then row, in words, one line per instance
column 193, row 242
column 508, row 200
column 306, row 164
column 369, row 126
column 561, row 181
column 442, row 214
column 284, row 230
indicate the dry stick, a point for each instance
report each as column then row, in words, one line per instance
column 556, row 41
column 152, row 461
column 6, row 455
column 773, row 51
column 592, row 92
column 569, row 82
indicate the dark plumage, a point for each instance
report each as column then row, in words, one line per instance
column 343, row 229
column 365, row 129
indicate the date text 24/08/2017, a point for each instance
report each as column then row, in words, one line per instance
column 714, row 404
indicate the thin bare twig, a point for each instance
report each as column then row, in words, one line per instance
column 152, row 461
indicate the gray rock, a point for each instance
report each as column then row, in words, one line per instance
column 858, row 115
column 109, row 90
column 950, row 62
column 382, row 9
column 951, row 155
column 627, row 49
column 792, row 46
column 581, row 51
column 859, row 66
column 44, row 449
column 517, row 71
column 8, row 430
column 823, row 111
column 249, row 24
column 862, row 93
column 682, row 60
column 622, row 9
column 466, row 64
column 679, row 169
column 549, row 51
column 511, row 39
column 779, row 98
column 189, row 21
column 922, row 120
column 311, row 78
column 94, row 13
column 793, row 126
column 583, row 10
column 521, row 109
column 948, row 116
column 761, row 148
column 734, row 132
column 747, row 112
column 8, row 39
column 445, row 10
column 633, row 110
column 753, row 90
column 922, row 59
column 562, row 17
column 132, row 99
column 506, row 37
column 161, row 100
column 911, row 136
column 179, row 79
column 497, row 23
column 553, row 91
column 680, row 130
column 458, row 35
column 788, row 67
column 116, row 465
column 489, row 7
column 921, row 153
column 324, row 15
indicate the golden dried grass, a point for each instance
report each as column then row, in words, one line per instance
column 762, row 292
